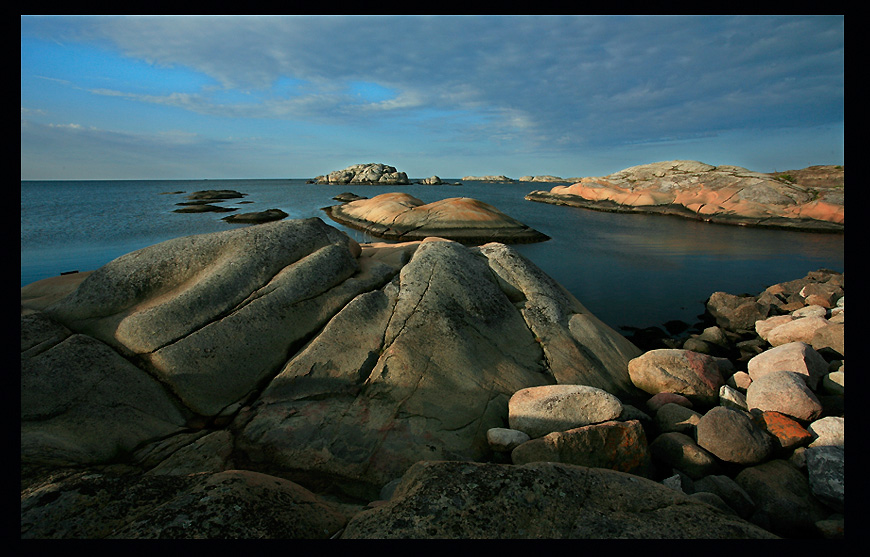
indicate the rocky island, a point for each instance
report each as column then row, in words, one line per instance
column 400, row 216
column 283, row 381
column 807, row 199
column 370, row 173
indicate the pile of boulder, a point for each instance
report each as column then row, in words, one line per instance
column 760, row 436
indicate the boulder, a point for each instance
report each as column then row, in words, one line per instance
column 658, row 400
column 796, row 330
column 826, row 471
column 542, row 500
column 675, row 417
column 613, row 445
column 504, row 440
column 798, row 357
column 678, row 450
column 787, row 434
column 828, row 431
column 691, row 374
column 785, row 392
column 784, row 503
column 736, row 313
column 733, row 437
column 539, row 411
column 400, row 216
column 729, row 491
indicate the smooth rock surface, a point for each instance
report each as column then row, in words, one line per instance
column 539, row 411
column 400, row 216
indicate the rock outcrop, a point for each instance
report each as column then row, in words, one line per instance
column 329, row 362
column 400, row 216
column 812, row 198
column 371, row 173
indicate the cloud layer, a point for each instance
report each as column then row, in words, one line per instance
column 410, row 89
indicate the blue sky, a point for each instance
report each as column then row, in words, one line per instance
column 188, row 97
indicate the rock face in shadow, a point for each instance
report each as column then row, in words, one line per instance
column 811, row 199
column 399, row 216
column 329, row 363
column 493, row 501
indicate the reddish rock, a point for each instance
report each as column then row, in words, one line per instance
column 691, row 374
column 613, row 445
column 787, row 433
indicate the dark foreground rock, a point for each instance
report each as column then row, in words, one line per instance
column 810, row 199
column 399, row 216
column 540, row 500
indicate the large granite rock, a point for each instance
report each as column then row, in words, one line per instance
column 371, row 173
column 541, row 500
column 812, row 198
column 328, row 362
column 399, row 216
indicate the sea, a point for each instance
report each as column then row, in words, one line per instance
column 632, row 271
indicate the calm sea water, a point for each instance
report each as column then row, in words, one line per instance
column 628, row 270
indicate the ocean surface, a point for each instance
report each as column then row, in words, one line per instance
column 629, row 270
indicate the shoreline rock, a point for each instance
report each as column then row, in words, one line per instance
column 807, row 199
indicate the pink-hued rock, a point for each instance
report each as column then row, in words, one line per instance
column 798, row 330
column 538, row 411
column 399, row 216
column 691, row 374
column 614, row 445
column 728, row 194
column 798, row 357
column 785, row 392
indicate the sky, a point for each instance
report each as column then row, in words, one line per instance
column 231, row 97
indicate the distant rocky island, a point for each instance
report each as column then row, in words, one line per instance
column 370, row 173
column 808, row 199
